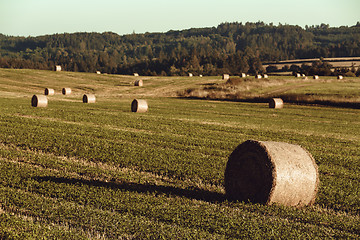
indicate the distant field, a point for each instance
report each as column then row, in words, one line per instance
column 335, row 62
column 324, row 91
column 99, row 171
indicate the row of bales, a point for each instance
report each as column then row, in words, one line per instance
column 280, row 173
column 42, row 100
column 297, row 75
column 137, row 105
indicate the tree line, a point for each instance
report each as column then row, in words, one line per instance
column 228, row 48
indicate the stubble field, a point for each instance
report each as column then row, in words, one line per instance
column 99, row 171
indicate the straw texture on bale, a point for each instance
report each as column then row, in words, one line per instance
column 226, row 76
column 316, row 77
column 276, row 103
column 66, row 91
column 39, row 101
column 340, row 77
column 49, row 91
column 138, row 82
column 271, row 172
column 89, row 98
column 139, row 105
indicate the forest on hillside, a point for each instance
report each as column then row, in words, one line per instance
column 228, row 48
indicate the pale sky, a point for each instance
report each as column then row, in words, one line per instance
column 41, row 17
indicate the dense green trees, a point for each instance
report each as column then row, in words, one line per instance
column 229, row 47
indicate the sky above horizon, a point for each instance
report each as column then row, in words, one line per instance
column 41, row 17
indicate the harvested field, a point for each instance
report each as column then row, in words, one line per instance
column 99, row 171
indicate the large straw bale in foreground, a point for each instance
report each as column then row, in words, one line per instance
column 39, row 101
column 276, row 103
column 66, row 91
column 89, row 98
column 49, row 91
column 271, row 172
column 139, row 105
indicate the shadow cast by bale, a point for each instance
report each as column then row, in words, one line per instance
column 193, row 193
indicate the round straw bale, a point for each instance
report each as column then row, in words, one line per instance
column 276, row 103
column 316, row 77
column 271, row 172
column 49, row 91
column 39, row 101
column 139, row 105
column 340, row 77
column 138, row 82
column 258, row 76
column 66, row 91
column 89, row 98
column 226, row 76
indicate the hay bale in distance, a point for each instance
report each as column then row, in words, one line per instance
column 66, row 91
column 138, row 82
column 39, row 101
column 315, row 77
column 89, row 98
column 271, row 172
column 265, row 76
column 136, row 74
column 225, row 76
column 200, row 75
column 58, row 68
column 258, row 76
column 243, row 75
column 297, row 75
column 139, row 105
column 276, row 103
column 98, row 72
column 340, row 77
column 190, row 74
column 49, row 91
